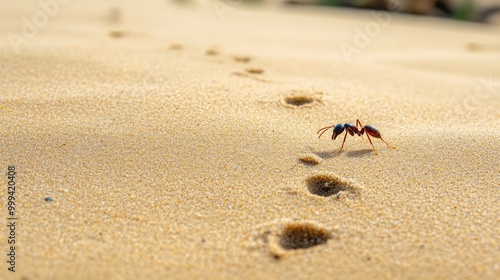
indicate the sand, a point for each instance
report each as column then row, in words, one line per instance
column 177, row 144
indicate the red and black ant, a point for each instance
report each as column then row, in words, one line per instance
column 351, row 129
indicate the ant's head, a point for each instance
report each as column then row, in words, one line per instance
column 337, row 130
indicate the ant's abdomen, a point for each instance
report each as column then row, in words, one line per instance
column 372, row 131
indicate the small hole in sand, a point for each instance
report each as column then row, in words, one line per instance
column 326, row 184
column 303, row 236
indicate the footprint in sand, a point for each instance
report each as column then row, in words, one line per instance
column 254, row 70
column 175, row 47
column 117, row 34
column 114, row 17
column 301, row 99
column 212, row 52
column 242, row 59
column 328, row 184
column 241, row 74
column 249, row 72
column 287, row 237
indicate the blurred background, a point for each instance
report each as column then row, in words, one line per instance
column 486, row 11
column 438, row 30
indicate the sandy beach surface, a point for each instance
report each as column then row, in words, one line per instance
column 158, row 141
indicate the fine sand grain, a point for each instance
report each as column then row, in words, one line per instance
column 161, row 163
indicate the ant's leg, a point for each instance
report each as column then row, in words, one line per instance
column 388, row 144
column 343, row 143
column 368, row 135
column 360, row 129
column 358, row 123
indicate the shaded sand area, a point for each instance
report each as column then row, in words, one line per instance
column 175, row 144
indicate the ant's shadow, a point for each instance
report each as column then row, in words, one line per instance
column 327, row 155
column 355, row 154
column 360, row 153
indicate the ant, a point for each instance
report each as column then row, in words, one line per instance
column 351, row 129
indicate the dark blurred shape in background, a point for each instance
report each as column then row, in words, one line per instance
column 470, row 10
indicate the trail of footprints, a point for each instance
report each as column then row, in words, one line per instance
column 289, row 237
column 285, row 236
column 113, row 17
